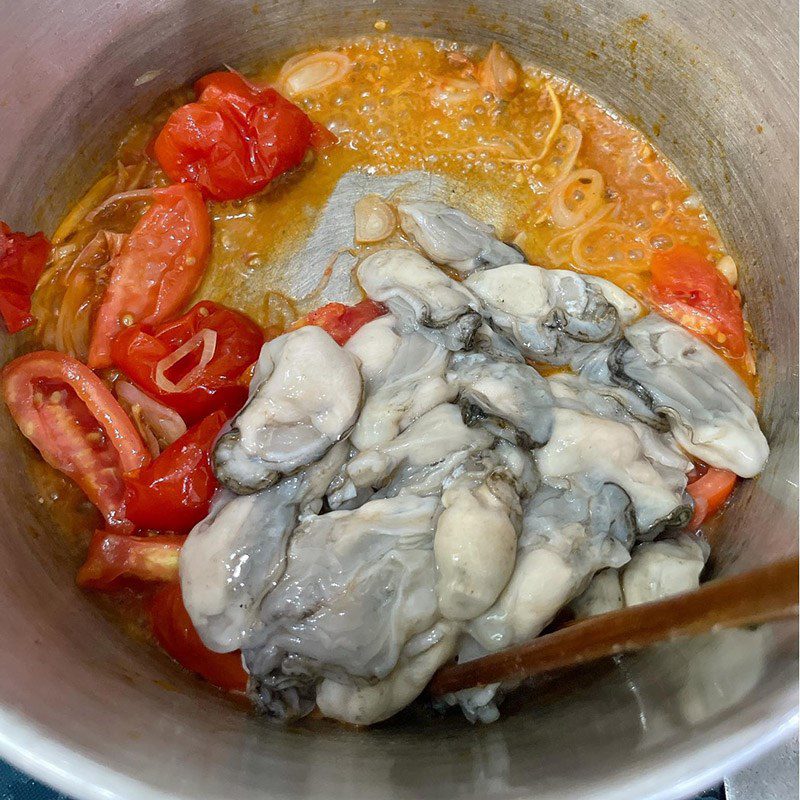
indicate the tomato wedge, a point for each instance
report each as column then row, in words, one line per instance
column 22, row 259
column 173, row 492
column 139, row 350
column 76, row 424
column 158, row 268
column 235, row 138
column 173, row 629
column 709, row 492
column 342, row 321
column 116, row 560
column 687, row 287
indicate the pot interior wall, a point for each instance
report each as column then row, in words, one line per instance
column 718, row 82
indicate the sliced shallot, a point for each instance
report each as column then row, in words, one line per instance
column 208, row 339
column 565, row 151
column 454, row 91
column 131, row 196
column 375, row 220
column 610, row 248
column 574, row 198
column 159, row 426
column 304, row 74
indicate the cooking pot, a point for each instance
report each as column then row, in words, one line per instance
column 89, row 710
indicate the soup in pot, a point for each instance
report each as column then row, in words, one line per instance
column 382, row 356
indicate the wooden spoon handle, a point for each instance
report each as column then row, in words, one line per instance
column 763, row 595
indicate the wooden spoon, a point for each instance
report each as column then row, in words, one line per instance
column 763, row 595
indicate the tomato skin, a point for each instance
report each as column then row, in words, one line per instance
column 173, row 492
column 322, row 138
column 199, row 145
column 22, row 260
column 173, row 629
column 137, row 351
column 78, row 427
column 234, row 139
column 114, row 560
column 687, row 287
column 709, row 492
column 157, row 269
column 342, row 321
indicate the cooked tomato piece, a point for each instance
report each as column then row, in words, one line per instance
column 688, row 288
column 192, row 388
column 172, row 627
column 77, row 425
column 157, row 269
column 234, row 139
column 342, row 321
column 22, row 259
column 709, row 492
column 321, row 137
column 116, row 560
column 173, row 492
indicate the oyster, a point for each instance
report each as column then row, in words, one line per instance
column 663, row 568
column 594, row 451
column 476, row 536
column 357, row 588
column 656, row 570
column 374, row 702
column 403, row 381
column 238, row 552
column 551, row 315
column 567, row 535
column 305, row 395
column 602, row 595
column 494, row 345
column 509, row 399
column 452, row 238
column 418, row 460
column 708, row 407
column 421, row 296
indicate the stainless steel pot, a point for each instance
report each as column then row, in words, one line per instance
column 87, row 709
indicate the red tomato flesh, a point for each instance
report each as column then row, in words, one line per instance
column 687, row 287
column 114, row 561
column 342, row 321
column 158, row 268
column 77, row 425
column 173, row 492
column 22, row 259
column 138, row 350
column 234, row 139
column 709, row 492
column 173, row 629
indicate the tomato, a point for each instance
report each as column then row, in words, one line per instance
column 157, row 269
column 342, row 321
column 709, row 492
column 77, row 425
column 173, row 492
column 137, row 351
column 687, row 287
column 321, row 137
column 115, row 560
column 22, row 259
column 173, row 629
column 234, row 139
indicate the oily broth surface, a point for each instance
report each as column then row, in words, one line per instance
column 401, row 108
column 393, row 113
